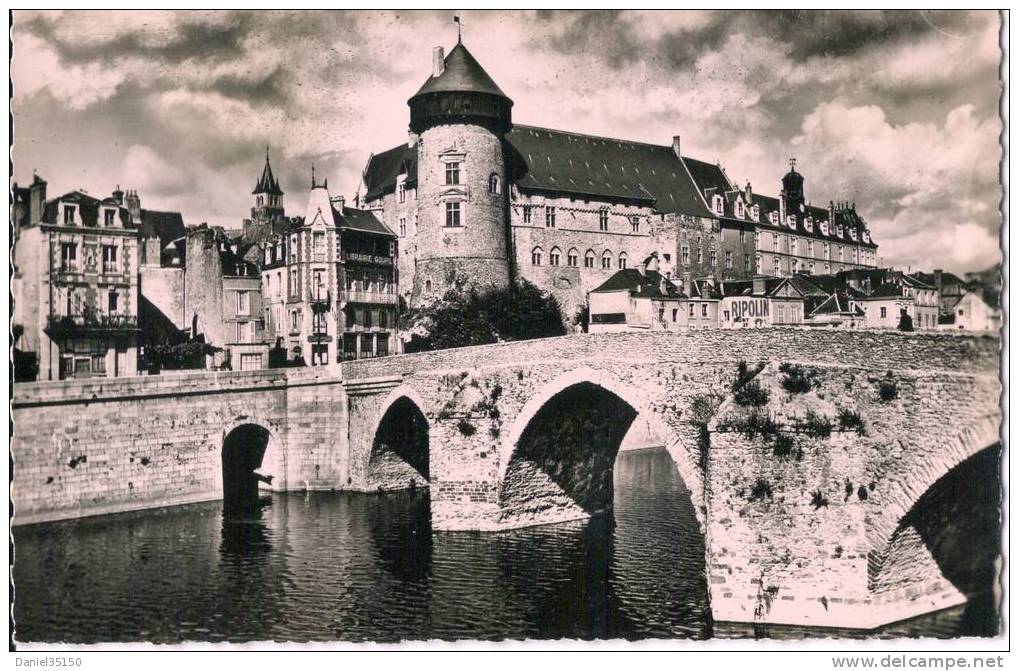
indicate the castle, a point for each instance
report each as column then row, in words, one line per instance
column 474, row 194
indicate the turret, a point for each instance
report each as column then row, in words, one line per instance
column 459, row 116
column 267, row 209
column 792, row 189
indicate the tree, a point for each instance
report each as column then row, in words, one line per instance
column 465, row 316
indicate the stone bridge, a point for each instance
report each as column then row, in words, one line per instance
column 806, row 465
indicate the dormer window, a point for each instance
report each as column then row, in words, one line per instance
column 824, row 227
column 109, row 217
column 808, row 224
column 773, row 218
column 70, row 213
column 791, row 221
column 838, row 230
column 718, row 205
column 757, row 213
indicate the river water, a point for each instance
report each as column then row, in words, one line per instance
column 354, row 567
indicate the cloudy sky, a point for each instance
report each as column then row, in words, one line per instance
column 896, row 111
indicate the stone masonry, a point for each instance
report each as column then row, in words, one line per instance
column 803, row 489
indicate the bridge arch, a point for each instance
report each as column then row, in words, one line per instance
column 589, row 485
column 399, row 456
column 247, row 445
column 926, row 545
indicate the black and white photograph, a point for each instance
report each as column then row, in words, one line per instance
column 523, row 329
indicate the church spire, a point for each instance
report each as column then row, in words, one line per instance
column 267, row 182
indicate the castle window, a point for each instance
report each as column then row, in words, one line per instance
column 453, row 172
column 827, row 251
column 778, row 266
column 536, row 255
column 589, row 259
column 603, row 219
column 713, row 258
column 549, row 217
column 553, row 256
column 685, row 255
column 700, row 255
column 728, row 259
column 453, row 214
column 774, row 242
column 401, row 192
column 572, row 258
column 606, row 260
column 635, row 223
column 493, row 184
column 622, row 260
column 428, row 286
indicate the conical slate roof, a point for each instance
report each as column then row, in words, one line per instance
column 267, row 182
column 463, row 73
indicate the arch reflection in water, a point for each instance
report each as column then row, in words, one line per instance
column 243, row 452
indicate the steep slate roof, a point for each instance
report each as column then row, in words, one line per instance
column 836, row 303
column 167, row 226
column 647, row 284
column 382, row 170
column 361, row 220
column 267, row 182
column 601, row 167
column 462, row 73
column 88, row 208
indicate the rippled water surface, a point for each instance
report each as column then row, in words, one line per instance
column 336, row 566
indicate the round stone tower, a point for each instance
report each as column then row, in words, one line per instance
column 459, row 119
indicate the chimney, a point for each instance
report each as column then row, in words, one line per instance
column 748, row 194
column 36, row 199
column 340, row 202
column 134, row 206
column 438, row 61
column 675, row 146
column 118, row 195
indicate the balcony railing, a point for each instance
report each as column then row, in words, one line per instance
column 89, row 322
column 370, row 297
column 321, row 301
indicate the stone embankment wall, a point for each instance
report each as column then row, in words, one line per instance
column 85, row 447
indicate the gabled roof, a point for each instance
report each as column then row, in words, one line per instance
column 835, row 304
column 267, row 182
column 601, row 167
column 167, row 226
column 462, row 73
column 648, row 284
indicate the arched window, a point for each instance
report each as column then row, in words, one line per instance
column 589, row 259
column 554, row 256
column 606, row 260
column 572, row 258
column 622, row 260
column 493, row 183
column 428, row 285
column 536, row 254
